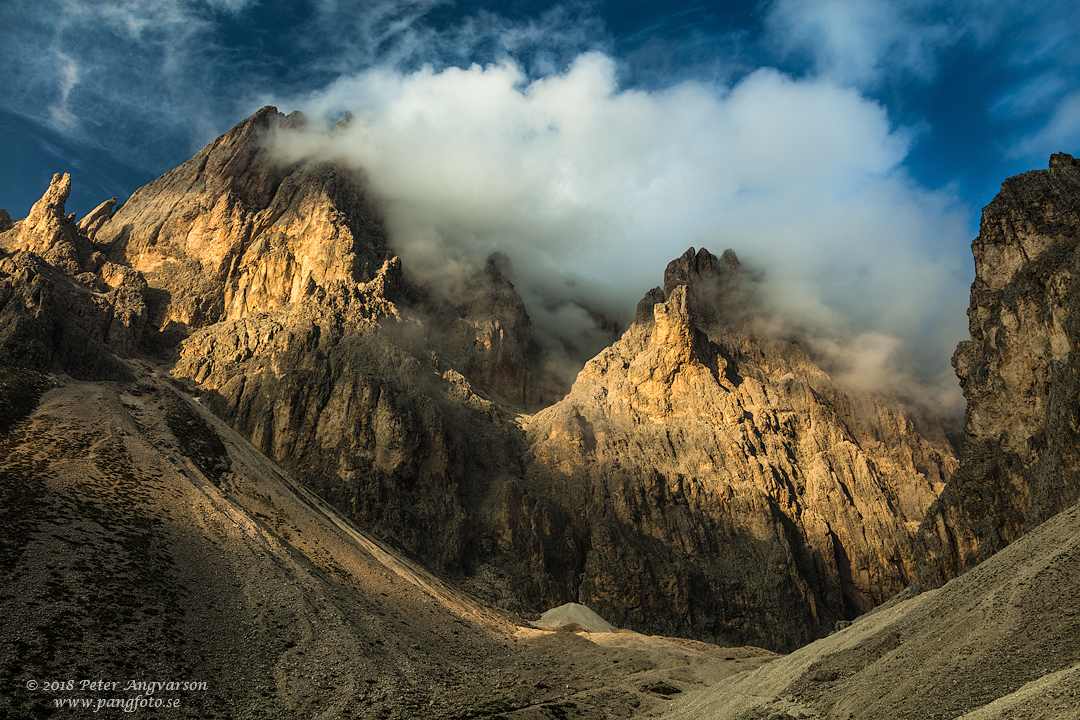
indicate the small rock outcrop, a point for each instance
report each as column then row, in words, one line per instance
column 1020, row 372
column 63, row 307
column 50, row 234
column 97, row 217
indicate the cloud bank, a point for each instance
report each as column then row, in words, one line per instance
column 591, row 189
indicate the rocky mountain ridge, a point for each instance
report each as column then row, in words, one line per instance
column 989, row 629
column 63, row 306
column 702, row 477
column 729, row 473
column 754, row 501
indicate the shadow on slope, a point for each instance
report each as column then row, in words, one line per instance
column 1000, row 641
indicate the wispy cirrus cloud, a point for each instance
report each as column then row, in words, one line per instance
column 159, row 74
column 1060, row 133
column 864, row 42
column 79, row 66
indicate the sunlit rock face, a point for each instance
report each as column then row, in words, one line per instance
column 718, row 483
column 232, row 232
column 1020, row 373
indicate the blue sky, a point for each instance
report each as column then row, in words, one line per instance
column 846, row 147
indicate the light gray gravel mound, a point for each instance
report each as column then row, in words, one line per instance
column 572, row 614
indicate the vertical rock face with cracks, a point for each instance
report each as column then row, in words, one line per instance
column 1021, row 375
column 232, row 232
column 718, row 484
column 309, row 339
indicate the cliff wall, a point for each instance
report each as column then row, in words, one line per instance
column 1020, row 372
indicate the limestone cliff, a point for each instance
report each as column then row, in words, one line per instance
column 1020, row 372
column 715, row 482
column 236, row 233
column 232, row 232
column 396, row 442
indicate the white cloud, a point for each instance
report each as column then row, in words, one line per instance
column 860, row 42
column 591, row 189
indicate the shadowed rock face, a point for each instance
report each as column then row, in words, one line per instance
column 1000, row 641
column 1020, row 372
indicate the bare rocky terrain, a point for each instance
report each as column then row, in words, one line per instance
column 145, row 541
column 1000, row 641
column 240, row 445
column 998, row 637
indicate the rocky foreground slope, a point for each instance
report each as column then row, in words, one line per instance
column 702, row 478
column 145, row 542
column 1001, row 642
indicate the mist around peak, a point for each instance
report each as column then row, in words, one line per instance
column 588, row 189
column 736, row 298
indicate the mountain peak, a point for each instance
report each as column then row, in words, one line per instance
column 235, row 231
column 716, row 288
column 50, row 233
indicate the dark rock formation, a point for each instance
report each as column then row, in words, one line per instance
column 398, row 444
column 1020, row 373
column 1000, row 641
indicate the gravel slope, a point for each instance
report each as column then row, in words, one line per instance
column 1000, row 641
